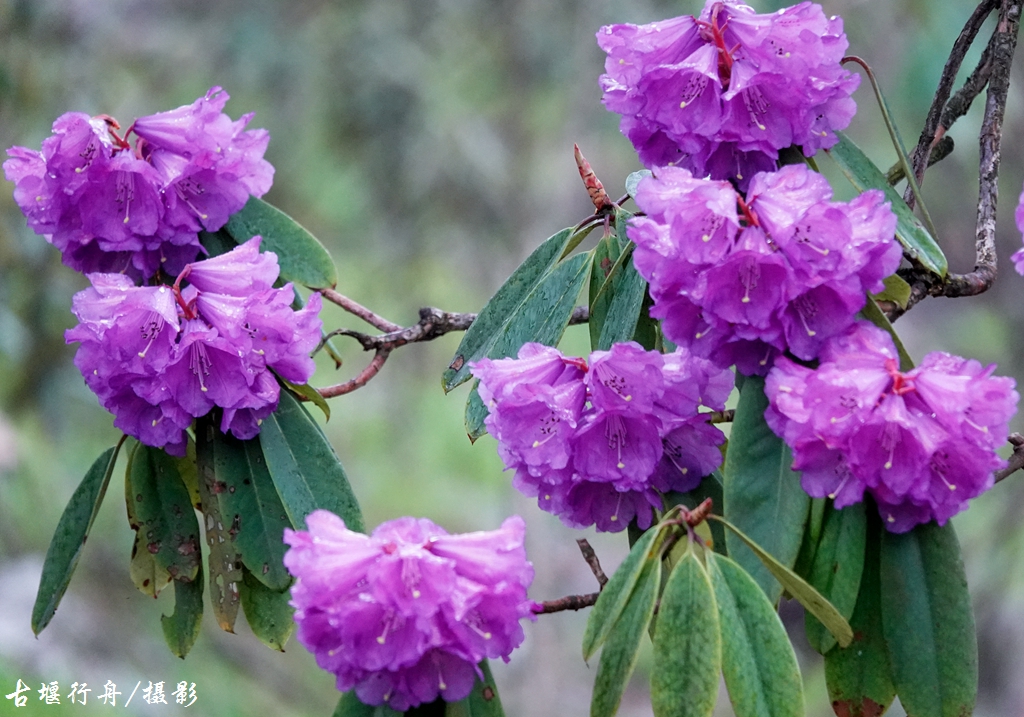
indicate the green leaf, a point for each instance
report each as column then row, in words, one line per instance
column 267, row 611
column 812, row 536
column 628, row 291
column 897, row 291
column 301, row 257
column 476, row 413
column 225, row 562
column 250, row 506
column 483, row 701
column 622, row 648
column 863, row 174
column 606, row 253
column 796, row 586
column 350, row 706
column 181, row 628
column 928, row 622
column 217, row 243
column 859, row 677
column 763, row 496
column 633, row 181
column 837, row 568
column 687, row 644
column 493, row 320
column 618, row 590
column 758, row 661
column 872, row 313
column 163, row 510
column 306, row 471
column 308, row 393
column 69, row 538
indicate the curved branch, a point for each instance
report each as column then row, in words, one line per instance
column 359, row 381
column 357, row 309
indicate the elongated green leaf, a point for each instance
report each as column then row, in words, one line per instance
column 267, row 611
column 863, row 174
column 758, row 661
column 163, row 509
column 619, row 589
column 545, row 313
column 181, row 628
column 306, row 471
column 542, row 317
column 301, row 257
column 606, row 253
column 350, row 706
column 217, row 243
column 494, row 318
column 812, row 536
column 837, row 568
column 763, row 497
column 622, row 648
column 69, row 538
column 687, row 644
column 796, row 586
column 928, row 622
column 859, row 677
column 483, row 701
column 225, row 562
column 620, row 324
column 250, row 506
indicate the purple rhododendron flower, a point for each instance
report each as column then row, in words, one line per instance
column 723, row 93
column 406, row 614
column 159, row 356
column 111, row 207
column 922, row 443
column 599, row 442
column 742, row 280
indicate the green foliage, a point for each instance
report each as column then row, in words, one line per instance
column 483, row 701
column 622, row 647
column 758, row 661
column 302, row 258
column 859, row 677
column 617, row 290
column 863, row 174
column 633, row 181
column 181, row 628
column 897, row 291
column 162, row 512
column 304, row 467
column 69, row 538
column 796, row 586
column 837, row 568
column 762, row 494
column 619, row 589
column 687, row 644
column 872, row 313
column 249, row 504
column 267, row 611
column 501, row 311
column 928, row 622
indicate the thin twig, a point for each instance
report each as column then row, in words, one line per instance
column 357, row 309
column 1001, row 50
column 945, row 87
column 1016, row 461
column 591, row 557
column 569, row 602
column 433, row 323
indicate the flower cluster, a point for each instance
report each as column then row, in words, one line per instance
column 741, row 280
column 723, row 93
column 921, row 443
column 158, row 356
column 407, row 613
column 111, row 207
column 598, row 444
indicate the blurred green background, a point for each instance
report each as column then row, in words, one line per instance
column 428, row 143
